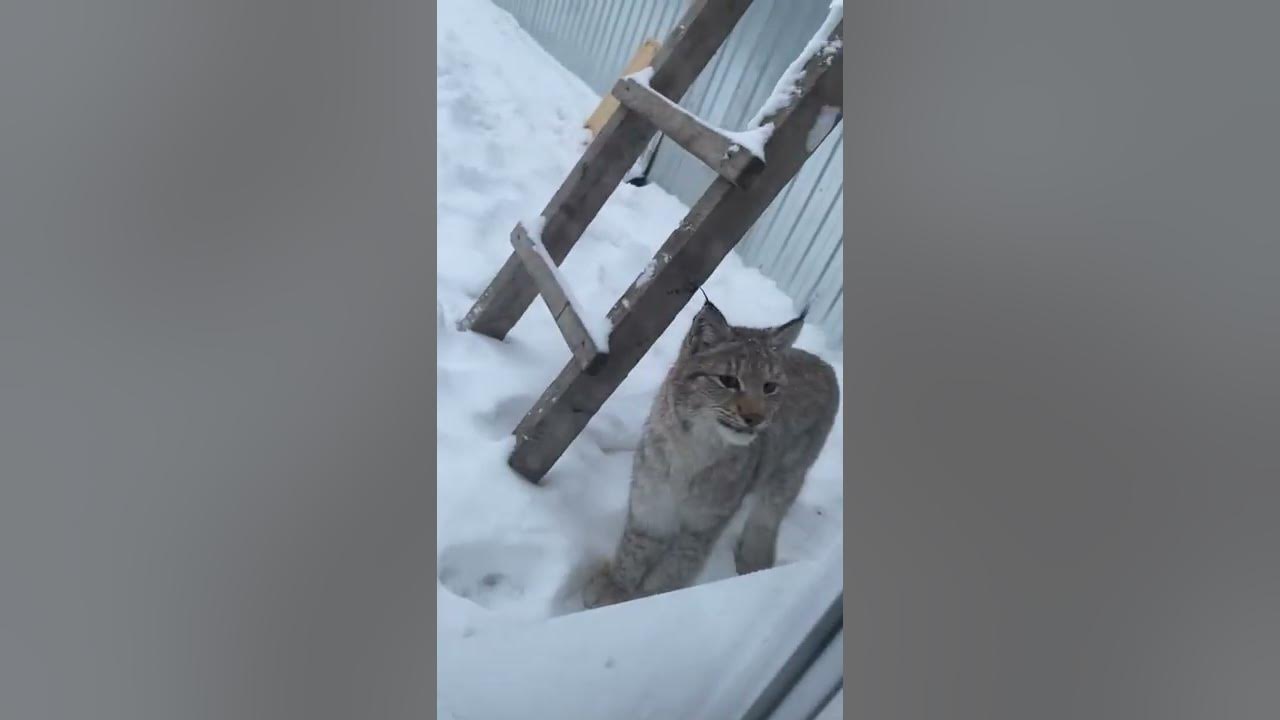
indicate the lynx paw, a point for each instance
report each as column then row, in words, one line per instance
column 748, row 557
column 601, row 590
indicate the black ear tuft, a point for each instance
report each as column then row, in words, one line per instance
column 785, row 335
column 709, row 328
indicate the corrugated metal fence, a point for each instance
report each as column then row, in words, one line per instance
column 799, row 241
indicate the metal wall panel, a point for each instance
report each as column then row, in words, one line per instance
column 799, row 241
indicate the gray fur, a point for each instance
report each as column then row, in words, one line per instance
column 709, row 443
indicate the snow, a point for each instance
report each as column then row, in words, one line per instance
column 788, row 85
column 596, row 323
column 753, row 140
column 642, row 76
column 511, row 555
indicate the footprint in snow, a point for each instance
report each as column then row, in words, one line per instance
column 503, row 417
column 492, row 575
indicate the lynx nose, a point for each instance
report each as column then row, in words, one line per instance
column 751, row 411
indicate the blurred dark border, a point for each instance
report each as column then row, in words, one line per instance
column 1063, row 307
column 216, row 370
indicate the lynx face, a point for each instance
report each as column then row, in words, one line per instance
column 731, row 378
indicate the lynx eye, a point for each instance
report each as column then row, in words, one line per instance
column 770, row 388
column 728, row 381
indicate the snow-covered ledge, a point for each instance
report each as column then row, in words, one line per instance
column 703, row 652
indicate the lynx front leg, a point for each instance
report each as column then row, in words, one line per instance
column 758, row 545
column 683, row 560
column 638, row 551
column 651, row 526
column 715, row 496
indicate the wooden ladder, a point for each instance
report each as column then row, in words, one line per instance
column 744, row 188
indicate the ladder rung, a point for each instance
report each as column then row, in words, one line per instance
column 730, row 160
column 545, row 279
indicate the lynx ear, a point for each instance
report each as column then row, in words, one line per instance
column 709, row 328
column 784, row 336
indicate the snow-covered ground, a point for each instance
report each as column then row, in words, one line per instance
column 510, row 553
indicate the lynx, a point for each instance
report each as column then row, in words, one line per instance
column 740, row 413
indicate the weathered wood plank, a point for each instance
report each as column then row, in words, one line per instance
column 730, row 160
column 712, row 228
column 576, row 335
column 605, row 162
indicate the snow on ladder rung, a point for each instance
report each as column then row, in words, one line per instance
column 733, row 158
column 822, row 51
column 588, row 342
